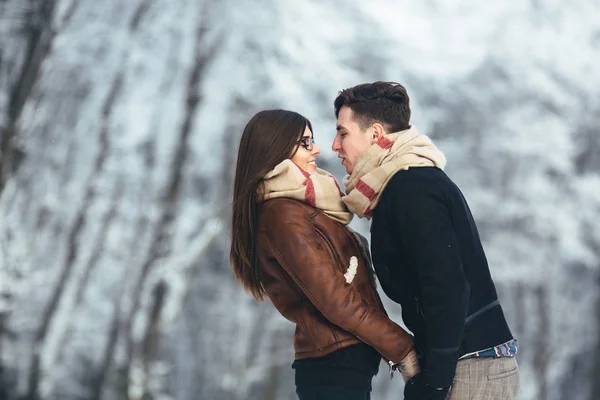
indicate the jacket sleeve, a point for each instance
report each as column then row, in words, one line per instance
column 309, row 260
column 432, row 246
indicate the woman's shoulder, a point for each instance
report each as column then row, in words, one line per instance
column 284, row 210
column 283, row 204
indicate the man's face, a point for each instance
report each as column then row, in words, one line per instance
column 350, row 140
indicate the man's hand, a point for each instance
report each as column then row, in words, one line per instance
column 418, row 389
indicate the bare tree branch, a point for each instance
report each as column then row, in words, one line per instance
column 76, row 229
column 38, row 28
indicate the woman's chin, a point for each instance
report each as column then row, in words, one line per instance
column 311, row 168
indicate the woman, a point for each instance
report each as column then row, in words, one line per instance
column 290, row 243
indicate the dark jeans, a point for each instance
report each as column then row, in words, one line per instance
column 331, row 393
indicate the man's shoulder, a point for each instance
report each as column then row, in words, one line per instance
column 421, row 175
column 417, row 180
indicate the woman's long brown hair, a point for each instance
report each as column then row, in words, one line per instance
column 270, row 137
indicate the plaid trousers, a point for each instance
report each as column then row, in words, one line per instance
column 486, row 378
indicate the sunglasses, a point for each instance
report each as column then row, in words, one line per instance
column 307, row 142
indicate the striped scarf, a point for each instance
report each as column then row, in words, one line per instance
column 319, row 190
column 394, row 152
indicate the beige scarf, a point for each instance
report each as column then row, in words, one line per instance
column 319, row 189
column 374, row 169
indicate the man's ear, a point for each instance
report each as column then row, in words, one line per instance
column 378, row 131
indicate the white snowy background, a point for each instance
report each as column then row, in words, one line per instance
column 119, row 124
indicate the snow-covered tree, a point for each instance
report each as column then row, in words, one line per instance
column 119, row 126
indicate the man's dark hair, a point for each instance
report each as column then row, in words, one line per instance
column 383, row 102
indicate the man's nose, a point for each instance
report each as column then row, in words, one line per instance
column 335, row 146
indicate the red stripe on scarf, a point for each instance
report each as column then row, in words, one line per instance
column 385, row 143
column 306, row 174
column 365, row 190
column 310, row 196
column 337, row 186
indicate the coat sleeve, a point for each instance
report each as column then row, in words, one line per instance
column 432, row 246
column 309, row 260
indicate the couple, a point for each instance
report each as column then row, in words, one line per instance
column 291, row 243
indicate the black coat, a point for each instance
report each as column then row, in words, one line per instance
column 428, row 257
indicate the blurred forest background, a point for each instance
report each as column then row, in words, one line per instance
column 119, row 125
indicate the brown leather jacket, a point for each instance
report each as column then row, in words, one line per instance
column 303, row 256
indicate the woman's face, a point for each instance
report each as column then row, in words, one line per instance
column 304, row 158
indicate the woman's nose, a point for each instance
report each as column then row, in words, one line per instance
column 316, row 150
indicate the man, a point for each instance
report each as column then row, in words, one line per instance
column 425, row 247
